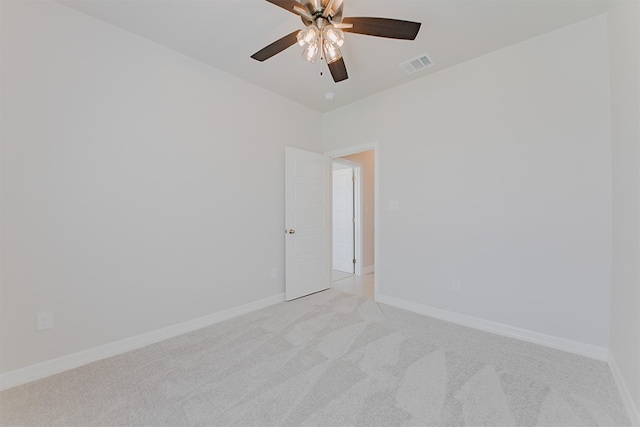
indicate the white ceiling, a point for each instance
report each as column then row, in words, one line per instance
column 225, row 33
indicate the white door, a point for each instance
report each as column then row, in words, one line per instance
column 343, row 220
column 307, row 223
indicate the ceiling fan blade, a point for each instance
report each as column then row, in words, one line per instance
column 383, row 27
column 276, row 47
column 294, row 7
column 338, row 70
column 289, row 5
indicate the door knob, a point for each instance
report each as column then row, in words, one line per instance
column 291, row 231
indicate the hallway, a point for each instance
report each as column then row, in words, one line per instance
column 358, row 285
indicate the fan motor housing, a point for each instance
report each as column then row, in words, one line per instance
column 316, row 8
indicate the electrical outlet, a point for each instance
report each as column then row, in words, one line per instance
column 274, row 272
column 45, row 320
column 456, row 285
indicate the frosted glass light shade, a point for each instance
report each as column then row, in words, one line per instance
column 331, row 52
column 308, row 35
column 310, row 52
column 333, row 35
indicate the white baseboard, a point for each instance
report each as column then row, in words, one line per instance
column 368, row 270
column 65, row 363
column 629, row 404
column 570, row 346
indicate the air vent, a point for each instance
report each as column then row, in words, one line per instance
column 416, row 64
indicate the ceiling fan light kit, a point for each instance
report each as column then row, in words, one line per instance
column 308, row 35
column 324, row 32
column 310, row 52
column 329, row 37
column 331, row 52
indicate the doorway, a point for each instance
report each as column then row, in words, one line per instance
column 354, row 221
column 345, row 215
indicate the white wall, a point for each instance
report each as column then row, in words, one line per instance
column 367, row 159
column 120, row 185
column 624, row 48
column 502, row 170
column 140, row 188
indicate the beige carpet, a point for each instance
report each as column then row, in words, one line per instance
column 331, row 359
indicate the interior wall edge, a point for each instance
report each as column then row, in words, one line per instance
column 368, row 269
column 558, row 343
column 65, row 363
column 627, row 399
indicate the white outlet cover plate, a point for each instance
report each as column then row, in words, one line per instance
column 44, row 321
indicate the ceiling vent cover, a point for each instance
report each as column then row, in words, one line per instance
column 416, row 64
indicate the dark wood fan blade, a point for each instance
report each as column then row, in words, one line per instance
column 287, row 4
column 338, row 70
column 383, row 27
column 276, row 47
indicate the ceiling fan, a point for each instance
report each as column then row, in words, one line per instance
column 324, row 32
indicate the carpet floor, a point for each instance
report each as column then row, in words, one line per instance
column 330, row 359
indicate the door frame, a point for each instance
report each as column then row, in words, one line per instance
column 373, row 146
column 357, row 211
